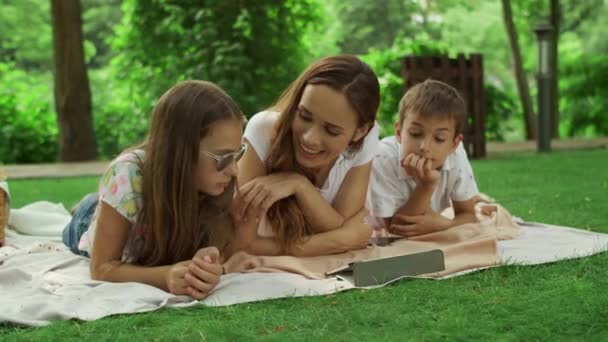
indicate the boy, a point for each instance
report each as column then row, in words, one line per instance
column 418, row 172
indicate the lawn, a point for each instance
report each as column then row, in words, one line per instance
column 566, row 300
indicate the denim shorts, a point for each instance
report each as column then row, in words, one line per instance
column 81, row 220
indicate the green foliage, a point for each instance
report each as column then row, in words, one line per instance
column 252, row 49
column 500, row 107
column 114, row 105
column 583, row 89
column 25, row 33
column 387, row 66
column 98, row 20
column 28, row 126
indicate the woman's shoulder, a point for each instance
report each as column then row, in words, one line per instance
column 263, row 120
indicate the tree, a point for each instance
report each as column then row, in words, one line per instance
column 72, row 92
column 520, row 75
column 554, row 16
column 252, row 49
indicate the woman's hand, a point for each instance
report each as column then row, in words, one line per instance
column 258, row 195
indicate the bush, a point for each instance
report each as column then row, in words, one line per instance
column 252, row 49
column 387, row 66
column 28, row 124
column 118, row 113
column 583, row 88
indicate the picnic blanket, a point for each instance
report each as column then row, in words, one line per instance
column 41, row 281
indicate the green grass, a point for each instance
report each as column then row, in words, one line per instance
column 562, row 301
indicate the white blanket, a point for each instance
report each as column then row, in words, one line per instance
column 41, row 281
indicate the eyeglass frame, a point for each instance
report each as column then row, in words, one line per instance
column 219, row 159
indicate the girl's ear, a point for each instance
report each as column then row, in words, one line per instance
column 360, row 132
column 457, row 141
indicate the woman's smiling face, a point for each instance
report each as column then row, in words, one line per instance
column 324, row 125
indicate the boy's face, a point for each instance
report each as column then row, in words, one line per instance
column 428, row 137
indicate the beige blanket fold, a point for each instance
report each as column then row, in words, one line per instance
column 465, row 247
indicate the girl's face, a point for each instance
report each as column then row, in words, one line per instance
column 224, row 141
column 323, row 127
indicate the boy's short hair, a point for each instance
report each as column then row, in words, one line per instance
column 434, row 98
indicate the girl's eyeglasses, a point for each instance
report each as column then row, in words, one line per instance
column 224, row 160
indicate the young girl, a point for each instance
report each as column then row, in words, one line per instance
column 160, row 203
column 305, row 175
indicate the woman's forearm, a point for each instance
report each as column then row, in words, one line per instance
column 319, row 213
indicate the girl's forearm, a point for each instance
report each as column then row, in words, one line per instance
column 120, row 272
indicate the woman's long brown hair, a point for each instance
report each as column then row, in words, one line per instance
column 176, row 219
column 344, row 73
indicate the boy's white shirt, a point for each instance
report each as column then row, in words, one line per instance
column 391, row 186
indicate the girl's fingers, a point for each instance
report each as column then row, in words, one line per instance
column 198, row 284
column 196, row 294
column 202, row 266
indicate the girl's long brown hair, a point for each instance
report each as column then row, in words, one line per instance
column 176, row 219
column 344, row 73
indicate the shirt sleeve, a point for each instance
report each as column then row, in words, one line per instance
column 258, row 133
column 465, row 186
column 388, row 192
column 369, row 148
column 121, row 187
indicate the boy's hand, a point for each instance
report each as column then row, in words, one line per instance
column 409, row 226
column 420, row 168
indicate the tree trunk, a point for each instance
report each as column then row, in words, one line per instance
column 554, row 69
column 72, row 92
column 520, row 75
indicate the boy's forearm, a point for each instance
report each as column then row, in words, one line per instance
column 462, row 218
column 419, row 202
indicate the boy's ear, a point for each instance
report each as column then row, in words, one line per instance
column 360, row 132
column 457, row 141
column 398, row 131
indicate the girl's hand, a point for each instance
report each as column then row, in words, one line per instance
column 175, row 278
column 257, row 196
column 196, row 277
column 420, row 168
column 203, row 276
column 409, row 226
